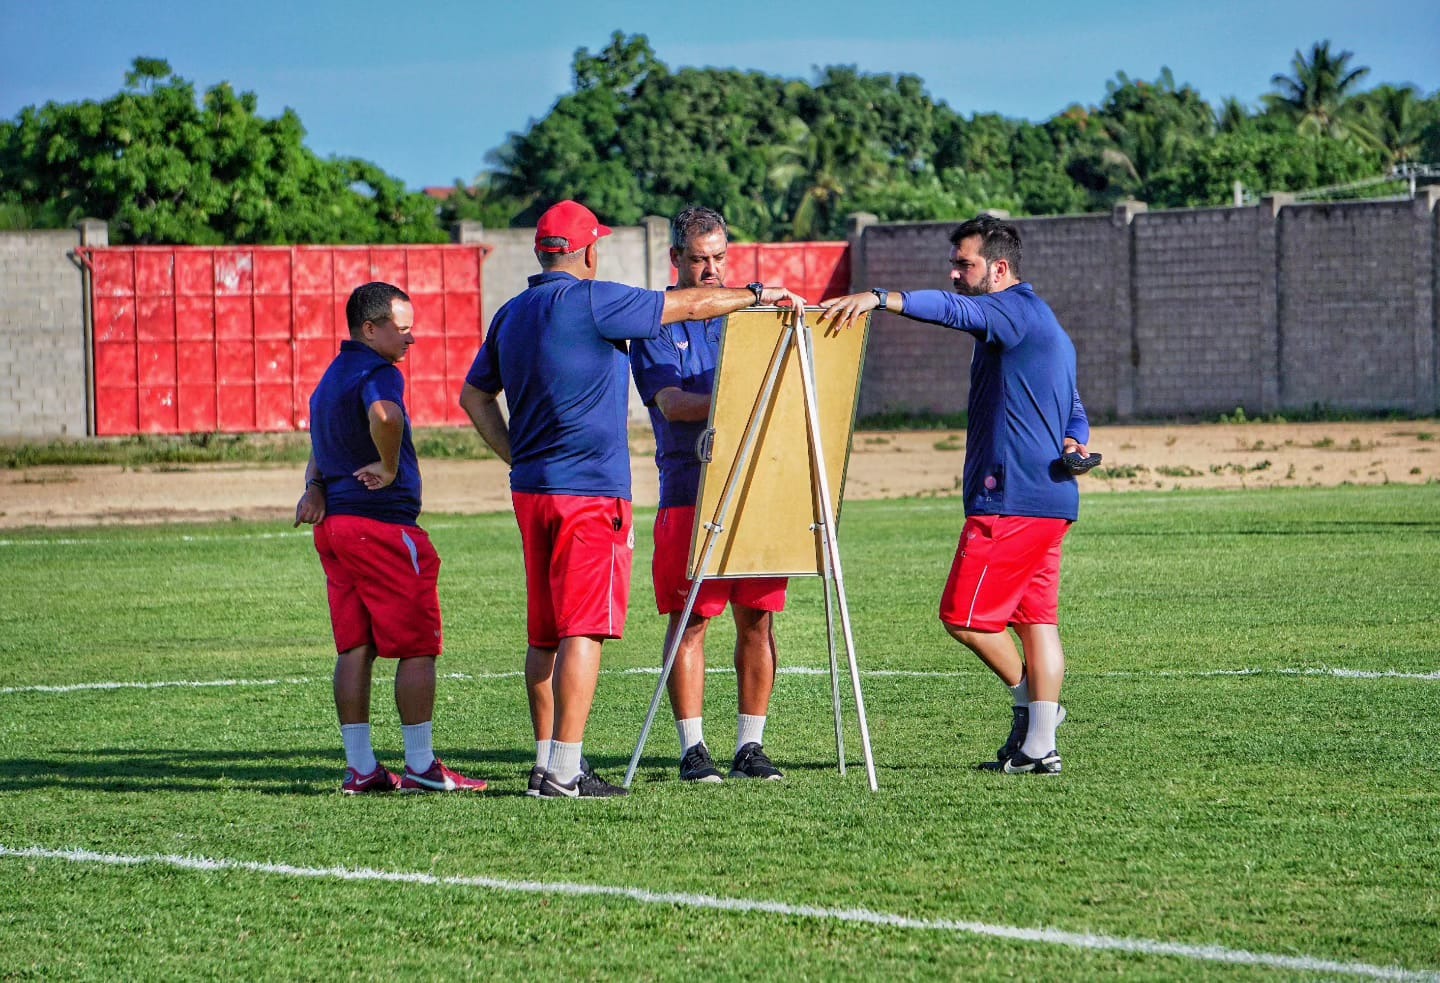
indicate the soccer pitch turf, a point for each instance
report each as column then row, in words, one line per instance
column 1250, row 788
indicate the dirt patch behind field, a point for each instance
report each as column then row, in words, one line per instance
column 882, row 465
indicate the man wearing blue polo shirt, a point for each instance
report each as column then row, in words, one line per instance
column 675, row 375
column 362, row 495
column 558, row 352
column 1026, row 422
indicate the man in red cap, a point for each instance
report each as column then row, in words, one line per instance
column 558, row 351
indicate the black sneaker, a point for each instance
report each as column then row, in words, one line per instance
column 1022, row 764
column 1019, row 724
column 537, row 778
column 587, row 785
column 697, row 766
column 752, row 762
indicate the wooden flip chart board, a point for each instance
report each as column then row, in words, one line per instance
column 768, row 526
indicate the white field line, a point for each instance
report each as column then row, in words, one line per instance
column 1337, row 673
column 862, row 916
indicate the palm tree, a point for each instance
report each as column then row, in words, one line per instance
column 1317, row 93
column 1395, row 118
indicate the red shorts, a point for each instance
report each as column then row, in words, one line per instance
column 1006, row 572
column 382, row 581
column 578, row 551
column 674, row 529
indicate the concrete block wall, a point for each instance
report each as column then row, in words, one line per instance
column 1193, row 312
column 1348, row 275
column 43, row 346
column 1197, row 286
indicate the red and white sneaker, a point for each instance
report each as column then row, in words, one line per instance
column 377, row 781
column 440, row 779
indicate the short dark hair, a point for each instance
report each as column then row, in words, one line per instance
column 696, row 220
column 550, row 260
column 998, row 239
column 371, row 302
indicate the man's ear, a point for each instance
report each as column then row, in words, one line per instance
column 675, row 257
column 592, row 256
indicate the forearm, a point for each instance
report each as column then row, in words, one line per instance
column 703, row 303
column 484, row 411
column 387, row 431
column 678, row 406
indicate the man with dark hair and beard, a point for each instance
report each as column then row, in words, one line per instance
column 1025, row 442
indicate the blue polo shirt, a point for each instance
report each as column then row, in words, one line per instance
column 1023, row 401
column 683, row 356
column 558, row 353
column 340, row 437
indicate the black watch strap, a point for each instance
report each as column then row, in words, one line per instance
column 883, row 296
column 758, row 289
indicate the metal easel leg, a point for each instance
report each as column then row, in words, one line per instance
column 830, row 647
column 827, row 531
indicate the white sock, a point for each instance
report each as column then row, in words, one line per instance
column 419, row 752
column 564, row 765
column 358, row 752
column 542, row 754
column 1021, row 692
column 1040, row 738
column 751, row 730
column 691, row 732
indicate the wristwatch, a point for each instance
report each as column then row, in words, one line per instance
column 883, row 296
column 758, row 289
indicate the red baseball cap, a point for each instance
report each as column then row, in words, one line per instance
column 570, row 221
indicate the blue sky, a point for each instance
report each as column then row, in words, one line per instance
column 425, row 90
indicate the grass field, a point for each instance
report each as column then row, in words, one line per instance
column 1251, row 786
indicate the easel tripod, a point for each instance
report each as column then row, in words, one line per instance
column 795, row 337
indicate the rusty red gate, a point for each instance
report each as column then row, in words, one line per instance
column 191, row 339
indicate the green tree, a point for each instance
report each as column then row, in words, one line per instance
column 163, row 166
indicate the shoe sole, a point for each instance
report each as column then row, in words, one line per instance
column 715, row 779
column 1034, row 768
column 426, row 789
column 757, row 778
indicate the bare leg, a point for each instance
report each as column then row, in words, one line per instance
column 539, row 685
column 352, row 684
column 577, row 670
column 1044, row 660
column 415, row 689
column 755, row 658
column 687, row 676
column 996, row 649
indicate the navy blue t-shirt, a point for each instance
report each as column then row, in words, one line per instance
column 1023, row 401
column 682, row 356
column 558, row 353
column 340, row 437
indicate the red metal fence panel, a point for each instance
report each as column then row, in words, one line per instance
column 193, row 339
